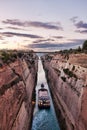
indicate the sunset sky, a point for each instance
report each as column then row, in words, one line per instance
column 42, row 25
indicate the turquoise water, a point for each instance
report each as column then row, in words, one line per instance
column 44, row 119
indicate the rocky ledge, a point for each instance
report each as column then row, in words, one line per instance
column 18, row 73
column 67, row 79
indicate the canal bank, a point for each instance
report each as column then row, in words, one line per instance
column 44, row 119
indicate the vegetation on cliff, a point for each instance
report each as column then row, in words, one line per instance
column 69, row 73
column 84, row 47
column 79, row 49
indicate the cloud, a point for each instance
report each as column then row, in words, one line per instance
column 74, row 19
column 11, row 34
column 53, row 39
column 58, row 37
column 4, row 43
column 74, row 43
column 81, row 26
column 1, row 37
column 81, row 31
column 45, row 25
column 1, row 28
column 43, row 40
column 14, row 28
column 36, row 24
column 43, row 45
column 13, row 22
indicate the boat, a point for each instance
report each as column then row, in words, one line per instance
column 43, row 98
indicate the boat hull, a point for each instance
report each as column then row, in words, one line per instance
column 43, row 99
column 43, row 106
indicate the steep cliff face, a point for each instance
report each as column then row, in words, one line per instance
column 17, row 83
column 68, row 85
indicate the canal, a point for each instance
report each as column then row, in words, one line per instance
column 44, row 119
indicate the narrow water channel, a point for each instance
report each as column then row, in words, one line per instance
column 44, row 119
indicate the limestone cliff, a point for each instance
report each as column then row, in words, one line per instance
column 68, row 84
column 17, row 83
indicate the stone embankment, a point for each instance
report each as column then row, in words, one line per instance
column 17, row 83
column 68, row 85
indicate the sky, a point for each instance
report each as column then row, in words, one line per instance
column 42, row 25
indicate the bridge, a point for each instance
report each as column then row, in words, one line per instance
column 45, row 52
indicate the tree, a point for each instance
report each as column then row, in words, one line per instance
column 84, row 47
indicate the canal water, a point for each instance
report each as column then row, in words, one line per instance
column 44, row 119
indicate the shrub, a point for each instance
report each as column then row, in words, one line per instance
column 63, row 78
column 70, row 73
column 73, row 68
column 8, row 57
column 84, row 47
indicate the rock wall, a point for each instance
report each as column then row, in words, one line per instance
column 17, row 83
column 68, row 85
